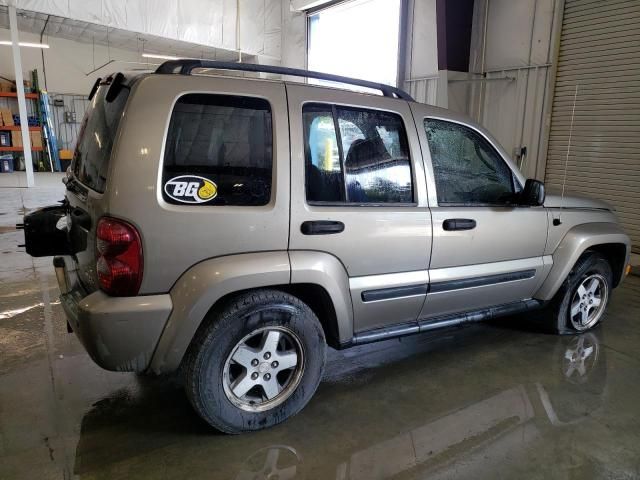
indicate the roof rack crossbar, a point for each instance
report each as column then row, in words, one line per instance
column 186, row 66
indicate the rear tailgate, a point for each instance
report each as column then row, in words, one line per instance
column 90, row 168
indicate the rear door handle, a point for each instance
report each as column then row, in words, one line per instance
column 321, row 227
column 459, row 224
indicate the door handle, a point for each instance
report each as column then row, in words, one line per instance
column 321, row 227
column 459, row 224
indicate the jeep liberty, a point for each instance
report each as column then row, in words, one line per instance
column 233, row 227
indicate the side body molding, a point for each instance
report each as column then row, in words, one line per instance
column 205, row 283
column 574, row 244
column 327, row 271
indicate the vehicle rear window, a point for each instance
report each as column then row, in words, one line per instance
column 97, row 134
column 219, row 151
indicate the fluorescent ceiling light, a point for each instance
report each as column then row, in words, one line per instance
column 25, row 44
column 164, row 57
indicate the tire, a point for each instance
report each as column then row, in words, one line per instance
column 591, row 266
column 232, row 363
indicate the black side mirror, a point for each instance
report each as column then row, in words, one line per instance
column 533, row 193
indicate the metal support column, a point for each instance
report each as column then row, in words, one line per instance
column 22, row 103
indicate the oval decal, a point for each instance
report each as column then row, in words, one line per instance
column 190, row 189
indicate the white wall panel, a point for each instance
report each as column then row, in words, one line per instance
column 114, row 14
column 294, row 37
column 67, row 62
column 134, row 18
column 422, row 50
column 87, row 10
column 210, row 23
column 518, row 46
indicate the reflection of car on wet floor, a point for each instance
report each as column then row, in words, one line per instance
column 485, row 427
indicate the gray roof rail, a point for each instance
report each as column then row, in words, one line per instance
column 186, row 66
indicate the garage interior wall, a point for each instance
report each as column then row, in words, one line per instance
column 423, row 81
column 509, row 79
column 511, row 55
column 599, row 53
column 67, row 62
column 205, row 22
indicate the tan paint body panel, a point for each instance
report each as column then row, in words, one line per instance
column 573, row 244
column 325, row 270
column 505, row 239
column 119, row 333
column 176, row 237
column 199, row 254
column 378, row 313
column 376, row 239
column 452, row 301
column 202, row 286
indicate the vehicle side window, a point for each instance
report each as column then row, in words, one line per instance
column 467, row 169
column 365, row 161
column 324, row 176
column 219, row 151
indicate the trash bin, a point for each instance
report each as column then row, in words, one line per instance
column 6, row 163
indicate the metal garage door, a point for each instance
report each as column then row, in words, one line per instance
column 600, row 52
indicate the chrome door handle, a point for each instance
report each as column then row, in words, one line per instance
column 459, row 224
column 321, row 227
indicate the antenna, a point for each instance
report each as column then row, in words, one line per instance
column 566, row 160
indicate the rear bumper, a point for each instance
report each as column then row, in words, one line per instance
column 119, row 333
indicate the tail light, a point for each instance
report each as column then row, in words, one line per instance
column 119, row 257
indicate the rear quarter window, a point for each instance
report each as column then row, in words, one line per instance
column 219, row 151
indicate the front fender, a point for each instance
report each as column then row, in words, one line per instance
column 575, row 243
column 202, row 286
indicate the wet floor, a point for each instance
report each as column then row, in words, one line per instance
column 486, row 402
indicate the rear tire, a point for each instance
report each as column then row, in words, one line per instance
column 255, row 362
column 580, row 303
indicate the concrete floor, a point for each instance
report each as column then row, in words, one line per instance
column 489, row 401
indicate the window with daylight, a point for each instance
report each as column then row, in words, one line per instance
column 357, row 39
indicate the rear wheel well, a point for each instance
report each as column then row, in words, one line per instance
column 320, row 302
column 315, row 296
column 616, row 255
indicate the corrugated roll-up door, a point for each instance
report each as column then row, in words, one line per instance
column 600, row 52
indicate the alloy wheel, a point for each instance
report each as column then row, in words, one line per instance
column 263, row 369
column 588, row 302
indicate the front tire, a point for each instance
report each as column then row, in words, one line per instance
column 256, row 362
column 583, row 297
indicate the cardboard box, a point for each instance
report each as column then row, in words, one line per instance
column 16, row 139
column 36, row 139
column 5, row 86
column 7, row 116
column 65, row 154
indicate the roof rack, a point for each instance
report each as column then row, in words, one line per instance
column 186, row 66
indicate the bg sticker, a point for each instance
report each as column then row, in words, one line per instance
column 191, row 189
